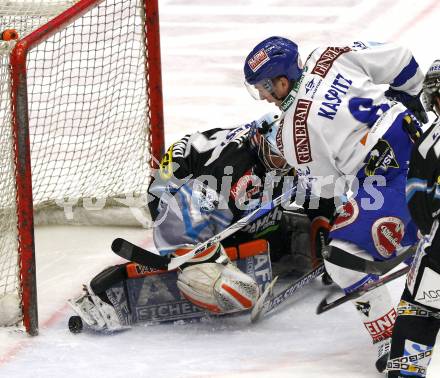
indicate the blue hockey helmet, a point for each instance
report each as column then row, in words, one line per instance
column 272, row 58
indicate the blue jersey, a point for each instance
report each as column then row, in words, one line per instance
column 377, row 219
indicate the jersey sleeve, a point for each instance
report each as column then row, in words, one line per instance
column 389, row 63
column 173, row 171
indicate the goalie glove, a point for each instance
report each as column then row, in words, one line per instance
column 413, row 103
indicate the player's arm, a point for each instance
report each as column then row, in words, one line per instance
column 389, row 63
column 174, row 170
column 396, row 66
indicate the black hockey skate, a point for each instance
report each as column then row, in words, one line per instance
column 383, row 355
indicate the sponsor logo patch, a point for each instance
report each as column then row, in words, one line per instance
column 382, row 328
column 288, row 101
column 428, row 293
column 245, row 187
column 415, row 359
column 327, row 58
column 261, row 224
column 175, row 310
column 348, row 215
column 300, row 133
column 310, row 85
column 259, row 58
column 387, row 234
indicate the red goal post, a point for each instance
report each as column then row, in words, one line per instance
column 75, row 106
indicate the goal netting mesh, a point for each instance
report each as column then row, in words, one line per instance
column 89, row 120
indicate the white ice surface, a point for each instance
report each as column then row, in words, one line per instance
column 203, row 46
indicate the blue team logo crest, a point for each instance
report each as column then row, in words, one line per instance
column 381, row 157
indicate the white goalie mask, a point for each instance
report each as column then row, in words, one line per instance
column 263, row 139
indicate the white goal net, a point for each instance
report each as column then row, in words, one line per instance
column 85, row 104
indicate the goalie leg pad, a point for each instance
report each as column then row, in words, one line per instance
column 218, row 288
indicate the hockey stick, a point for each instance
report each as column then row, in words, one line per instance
column 325, row 306
column 346, row 260
column 134, row 253
column 265, row 305
column 130, row 251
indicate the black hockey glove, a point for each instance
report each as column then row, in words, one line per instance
column 413, row 103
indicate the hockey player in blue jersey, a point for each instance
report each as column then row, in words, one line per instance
column 418, row 319
column 348, row 137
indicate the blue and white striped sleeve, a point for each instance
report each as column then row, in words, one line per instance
column 388, row 63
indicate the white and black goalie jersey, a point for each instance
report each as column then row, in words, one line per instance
column 423, row 185
column 207, row 181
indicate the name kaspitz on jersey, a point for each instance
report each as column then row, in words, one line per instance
column 334, row 96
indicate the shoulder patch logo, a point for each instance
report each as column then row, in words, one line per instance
column 348, row 215
column 245, row 187
column 387, row 234
column 300, row 133
column 325, row 61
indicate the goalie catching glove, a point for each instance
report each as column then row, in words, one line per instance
column 216, row 285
